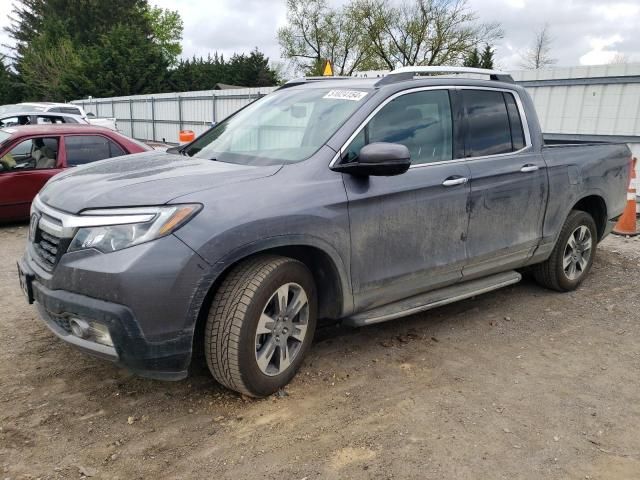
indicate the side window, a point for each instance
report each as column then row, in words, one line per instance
column 488, row 128
column 70, row 110
column 517, row 132
column 83, row 149
column 36, row 153
column 49, row 119
column 9, row 122
column 421, row 121
column 115, row 150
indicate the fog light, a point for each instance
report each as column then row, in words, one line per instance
column 100, row 334
column 93, row 331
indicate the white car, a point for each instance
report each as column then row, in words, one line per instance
column 71, row 109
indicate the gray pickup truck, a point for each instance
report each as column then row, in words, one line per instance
column 362, row 200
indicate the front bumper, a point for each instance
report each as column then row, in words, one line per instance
column 165, row 360
column 127, row 299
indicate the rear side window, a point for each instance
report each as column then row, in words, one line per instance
column 488, row 127
column 90, row 148
column 517, row 132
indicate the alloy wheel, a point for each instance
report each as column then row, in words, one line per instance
column 577, row 253
column 282, row 329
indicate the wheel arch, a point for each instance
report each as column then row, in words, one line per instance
column 335, row 299
column 596, row 206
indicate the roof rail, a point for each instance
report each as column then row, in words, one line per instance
column 407, row 73
column 303, row 80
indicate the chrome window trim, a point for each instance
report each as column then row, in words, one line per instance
column 516, row 96
column 69, row 223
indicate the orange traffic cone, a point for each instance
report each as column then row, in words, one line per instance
column 627, row 223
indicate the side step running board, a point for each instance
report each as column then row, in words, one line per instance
column 436, row 298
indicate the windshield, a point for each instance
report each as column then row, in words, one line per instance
column 286, row 126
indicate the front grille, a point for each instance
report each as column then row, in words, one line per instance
column 47, row 247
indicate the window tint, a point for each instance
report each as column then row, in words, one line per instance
column 115, row 150
column 517, row 132
column 89, row 148
column 70, row 110
column 488, row 129
column 36, row 153
column 421, row 121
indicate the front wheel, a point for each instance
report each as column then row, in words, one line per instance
column 572, row 256
column 261, row 324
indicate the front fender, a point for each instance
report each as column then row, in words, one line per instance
column 222, row 265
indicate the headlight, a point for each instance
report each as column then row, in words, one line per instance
column 126, row 227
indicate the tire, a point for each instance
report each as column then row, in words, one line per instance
column 232, row 343
column 554, row 273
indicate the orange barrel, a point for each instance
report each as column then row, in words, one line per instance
column 186, row 136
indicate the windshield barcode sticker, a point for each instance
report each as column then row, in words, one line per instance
column 353, row 95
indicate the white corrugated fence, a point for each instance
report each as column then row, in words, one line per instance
column 160, row 117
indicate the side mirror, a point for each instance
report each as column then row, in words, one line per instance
column 378, row 159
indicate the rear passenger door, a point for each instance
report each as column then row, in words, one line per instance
column 408, row 231
column 508, row 182
column 81, row 149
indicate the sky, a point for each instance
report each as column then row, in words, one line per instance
column 584, row 32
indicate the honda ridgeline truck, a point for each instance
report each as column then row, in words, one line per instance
column 363, row 200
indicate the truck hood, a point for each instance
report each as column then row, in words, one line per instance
column 150, row 178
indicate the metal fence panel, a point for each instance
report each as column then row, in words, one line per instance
column 160, row 117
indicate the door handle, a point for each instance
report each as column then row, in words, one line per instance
column 529, row 168
column 453, row 181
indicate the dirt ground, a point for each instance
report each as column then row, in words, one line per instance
column 522, row 383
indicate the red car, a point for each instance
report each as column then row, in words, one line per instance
column 31, row 155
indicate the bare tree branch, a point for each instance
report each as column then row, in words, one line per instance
column 539, row 54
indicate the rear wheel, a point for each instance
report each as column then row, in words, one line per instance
column 261, row 324
column 572, row 256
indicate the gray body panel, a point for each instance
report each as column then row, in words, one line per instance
column 388, row 238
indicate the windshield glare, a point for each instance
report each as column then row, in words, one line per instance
column 284, row 127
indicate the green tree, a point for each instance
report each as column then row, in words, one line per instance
column 242, row 70
column 124, row 63
column 167, row 27
column 9, row 87
column 73, row 48
column 473, row 59
column 486, row 59
column 50, row 70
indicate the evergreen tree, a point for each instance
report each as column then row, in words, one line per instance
column 473, row 59
column 73, row 48
column 9, row 88
column 486, row 59
column 242, row 70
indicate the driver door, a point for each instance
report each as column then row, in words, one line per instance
column 408, row 231
column 24, row 169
